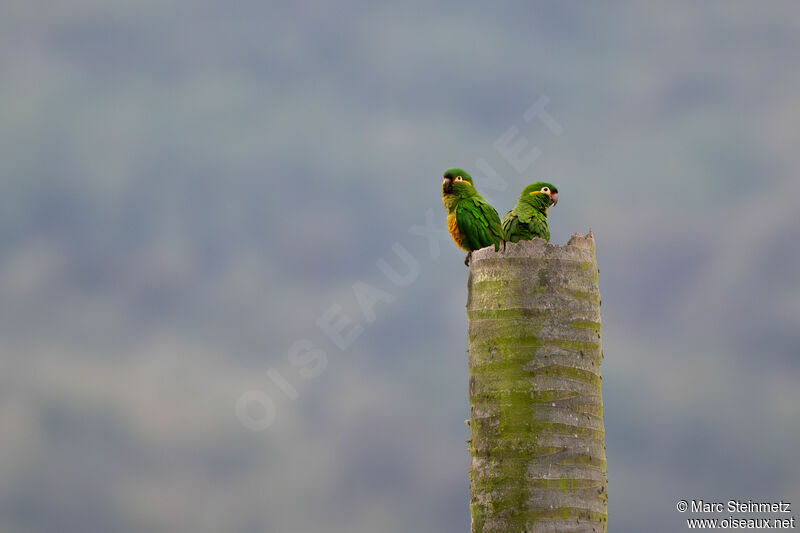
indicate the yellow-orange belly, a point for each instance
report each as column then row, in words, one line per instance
column 452, row 228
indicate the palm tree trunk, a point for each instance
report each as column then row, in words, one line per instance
column 538, row 461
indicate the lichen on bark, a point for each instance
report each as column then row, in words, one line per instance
column 538, row 461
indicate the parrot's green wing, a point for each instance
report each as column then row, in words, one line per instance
column 513, row 231
column 479, row 223
column 538, row 226
column 524, row 223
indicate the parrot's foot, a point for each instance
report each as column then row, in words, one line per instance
column 466, row 259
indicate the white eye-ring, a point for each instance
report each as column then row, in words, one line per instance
column 459, row 178
column 545, row 190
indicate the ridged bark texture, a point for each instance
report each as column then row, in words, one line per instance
column 538, row 461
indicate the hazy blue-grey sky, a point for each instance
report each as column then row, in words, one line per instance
column 186, row 188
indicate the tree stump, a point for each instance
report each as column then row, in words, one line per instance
column 538, row 461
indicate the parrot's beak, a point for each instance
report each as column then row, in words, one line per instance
column 447, row 185
column 554, row 197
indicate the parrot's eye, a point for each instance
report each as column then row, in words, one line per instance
column 459, row 178
column 545, row 189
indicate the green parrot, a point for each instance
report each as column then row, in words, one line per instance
column 471, row 221
column 528, row 219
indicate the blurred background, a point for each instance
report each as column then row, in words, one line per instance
column 186, row 188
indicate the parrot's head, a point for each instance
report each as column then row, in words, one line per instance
column 457, row 182
column 540, row 195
